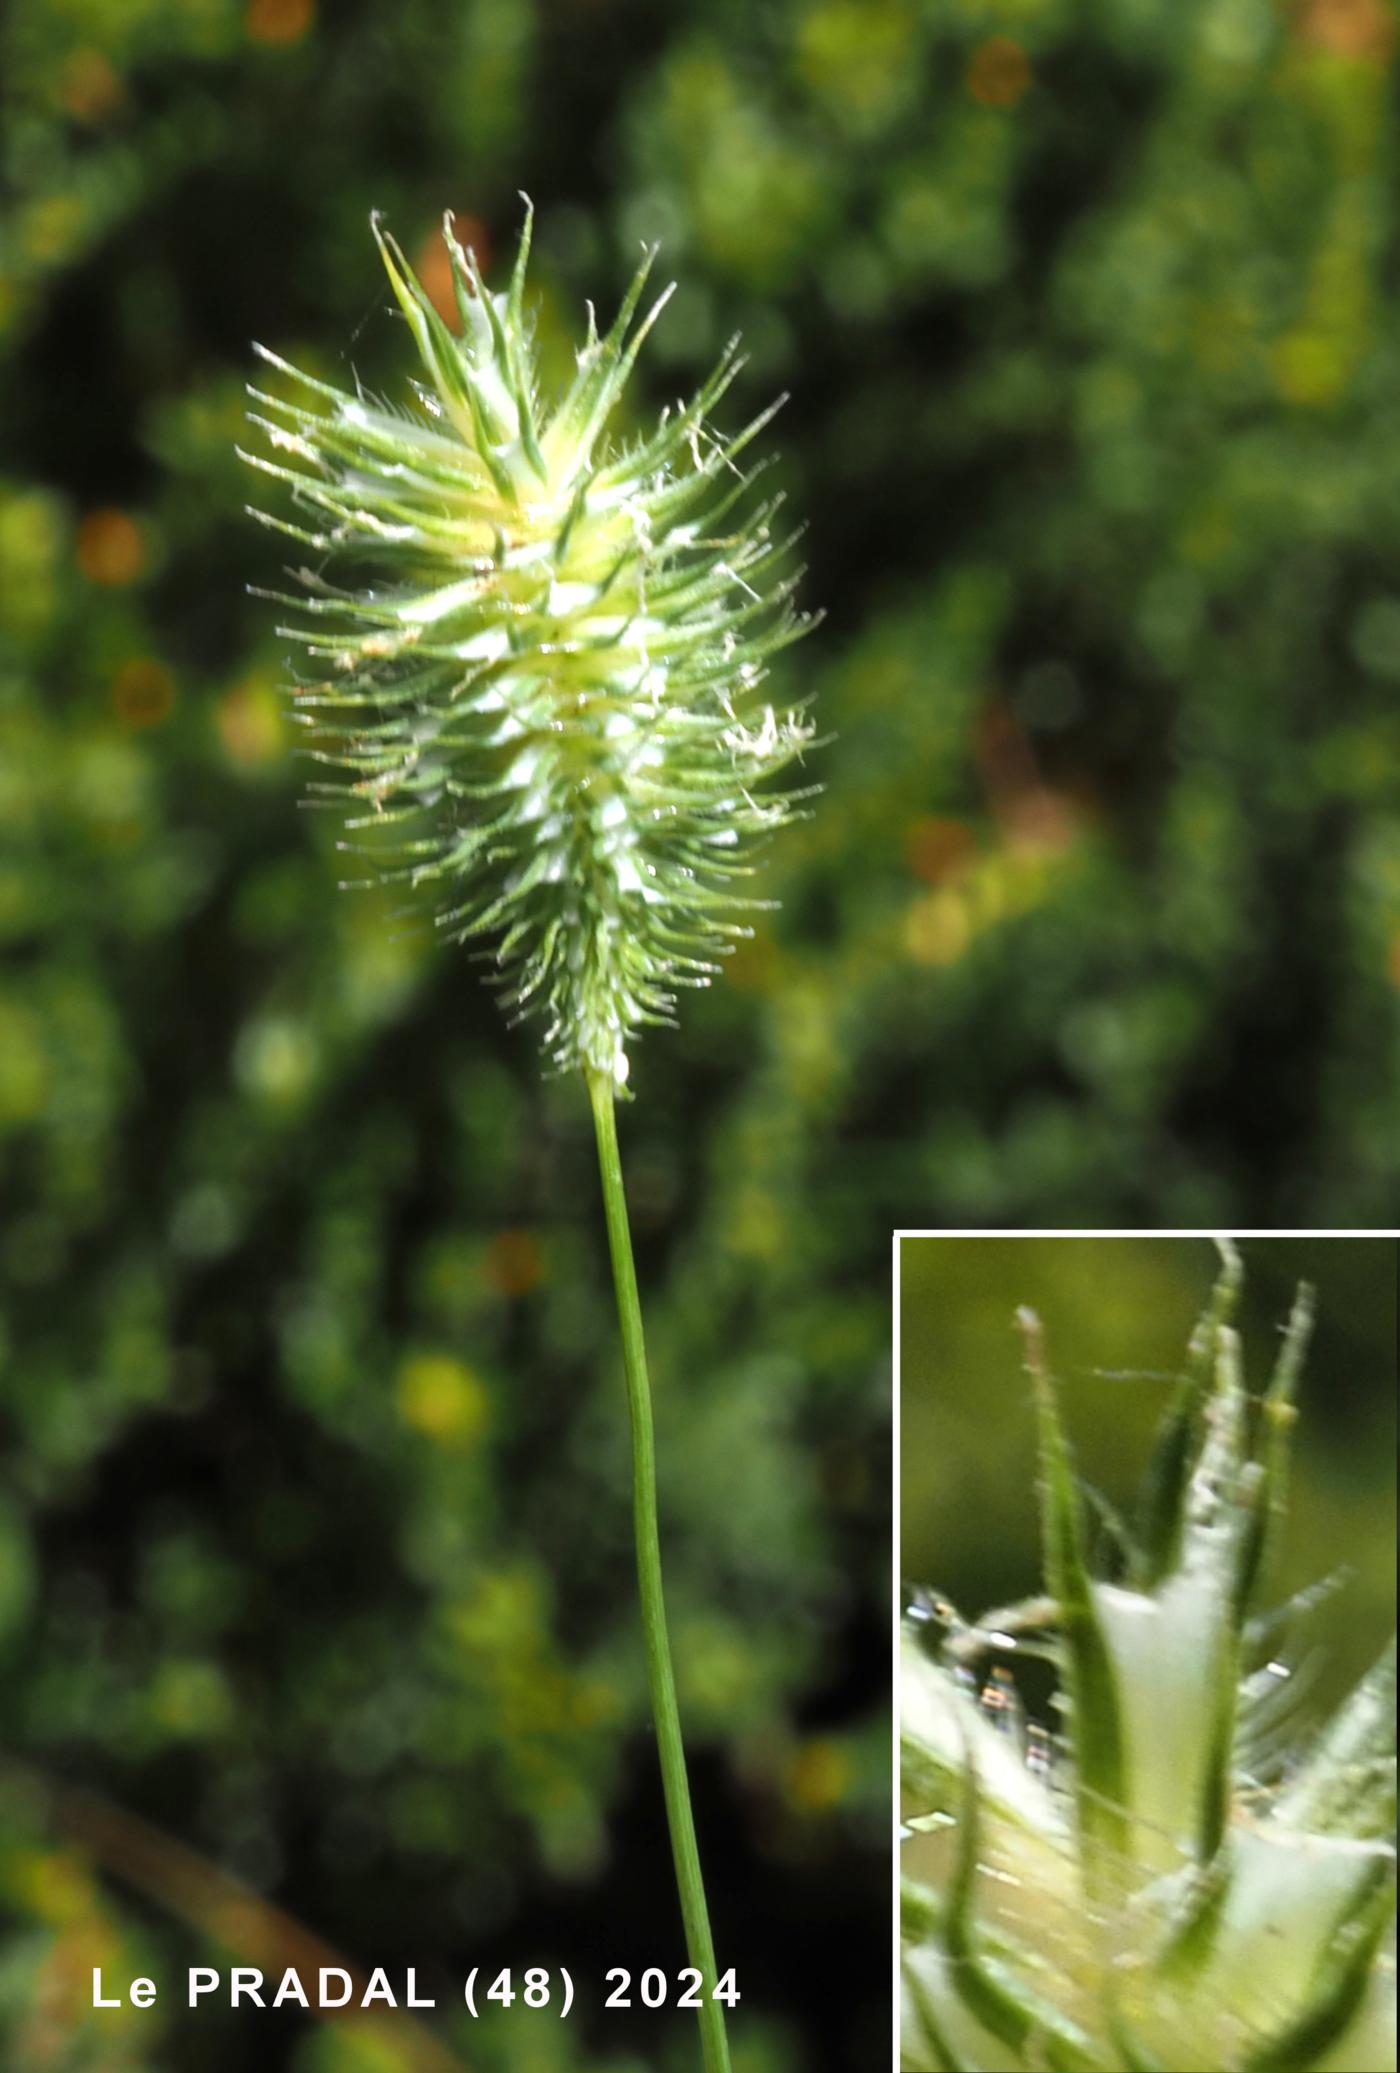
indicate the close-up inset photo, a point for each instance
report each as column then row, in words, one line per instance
column 1147, row 1656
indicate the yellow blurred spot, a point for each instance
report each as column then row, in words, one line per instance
column 938, row 927
column 25, row 1073
column 53, row 226
column 937, row 846
column 755, row 1224
column 1310, row 367
column 110, row 547
column 249, row 722
column 32, row 539
column 503, row 1614
column 433, row 265
column 280, row 21
column 807, row 1038
column 88, row 87
column 998, row 73
column 857, row 52
column 190, row 1697
column 513, row 1263
column 441, row 1397
column 275, row 1058
column 52, row 1885
column 143, row 693
column 819, row 1777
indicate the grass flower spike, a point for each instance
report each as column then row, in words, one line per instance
column 541, row 661
column 1178, row 1880
column 535, row 653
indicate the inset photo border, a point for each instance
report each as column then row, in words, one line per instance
column 1145, row 1538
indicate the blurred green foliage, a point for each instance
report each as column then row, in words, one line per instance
column 1117, row 1314
column 313, row 1537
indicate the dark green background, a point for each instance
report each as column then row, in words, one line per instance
column 313, row 1541
column 1117, row 1313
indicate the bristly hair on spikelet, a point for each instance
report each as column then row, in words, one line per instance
column 540, row 665
column 1176, row 1881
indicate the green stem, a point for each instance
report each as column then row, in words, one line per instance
column 660, row 1676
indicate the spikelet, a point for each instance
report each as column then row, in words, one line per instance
column 1173, row 1881
column 540, row 664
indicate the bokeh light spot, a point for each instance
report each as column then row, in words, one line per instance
column 57, row 1886
column 25, row 1076
column 513, row 1263
column 143, row 692
column 1352, row 28
column 441, row 1397
column 88, row 87
column 938, row 928
column 275, row 1059
column 820, row 1776
column 279, row 21
column 53, row 227
column 248, row 720
column 110, row 548
column 433, row 265
column 1309, row 368
column 937, row 845
column 998, row 73
column 856, row 54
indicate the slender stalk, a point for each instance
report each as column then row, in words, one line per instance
column 660, row 1676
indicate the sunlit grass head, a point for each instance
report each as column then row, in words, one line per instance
column 535, row 649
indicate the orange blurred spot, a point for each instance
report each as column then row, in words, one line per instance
column 936, row 846
column 88, row 87
column 1026, row 810
column 280, row 21
column 1352, row 28
column 513, row 1263
column 110, row 548
column 433, row 264
column 1393, row 961
column 143, row 693
column 998, row 73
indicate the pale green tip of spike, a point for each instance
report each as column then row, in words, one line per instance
column 1231, row 1265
